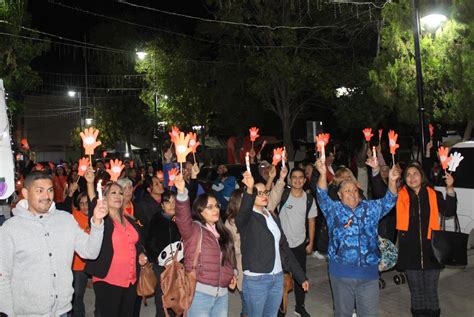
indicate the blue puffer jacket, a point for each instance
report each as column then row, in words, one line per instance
column 353, row 239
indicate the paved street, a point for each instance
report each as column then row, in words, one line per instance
column 456, row 292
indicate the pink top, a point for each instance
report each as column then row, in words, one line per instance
column 122, row 271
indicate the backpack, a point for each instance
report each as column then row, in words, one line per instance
column 177, row 285
column 309, row 202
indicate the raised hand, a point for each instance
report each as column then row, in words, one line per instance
column 253, row 134
column 449, row 180
column 321, row 166
column 195, row 171
column 277, row 155
column 248, row 181
column 89, row 175
column 89, row 140
column 115, row 170
column 373, row 162
column 179, row 183
column 100, row 211
column 272, row 173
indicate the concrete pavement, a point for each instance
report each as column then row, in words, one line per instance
column 456, row 292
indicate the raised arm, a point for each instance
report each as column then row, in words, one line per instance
column 246, row 206
column 184, row 219
column 7, row 252
column 277, row 190
column 322, row 170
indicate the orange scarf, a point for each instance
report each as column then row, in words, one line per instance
column 130, row 210
column 403, row 210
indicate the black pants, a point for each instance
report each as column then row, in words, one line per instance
column 423, row 286
column 300, row 255
column 79, row 284
column 115, row 301
column 158, row 293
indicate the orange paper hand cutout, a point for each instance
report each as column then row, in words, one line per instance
column 277, row 155
column 160, row 175
column 82, row 168
column 368, row 134
column 392, row 141
column 89, row 140
column 171, row 176
column 174, row 134
column 181, row 147
column 321, row 140
column 193, row 144
column 115, row 170
column 39, row 167
column 24, row 144
column 253, row 134
column 444, row 157
column 431, row 128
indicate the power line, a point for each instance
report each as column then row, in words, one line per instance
column 381, row 6
column 259, row 26
column 236, row 46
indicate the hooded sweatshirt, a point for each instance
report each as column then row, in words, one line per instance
column 36, row 254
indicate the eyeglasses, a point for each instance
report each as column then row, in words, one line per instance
column 218, row 206
column 263, row 193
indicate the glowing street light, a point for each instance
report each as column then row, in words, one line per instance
column 141, row 55
column 71, row 93
column 433, row 22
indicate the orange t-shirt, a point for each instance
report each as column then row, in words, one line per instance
column 78, row 263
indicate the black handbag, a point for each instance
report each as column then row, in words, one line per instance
column 450, row 247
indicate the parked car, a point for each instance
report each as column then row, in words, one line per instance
column 464, row 187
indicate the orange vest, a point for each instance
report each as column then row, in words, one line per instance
column 78, row 263
column 403, row 210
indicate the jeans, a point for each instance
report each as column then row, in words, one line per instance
column 263, row 294
column 423, row 286
column 350, row 293
column 209, row 306
column 243, row 311
column 79, row 283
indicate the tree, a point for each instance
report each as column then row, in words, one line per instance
column 447, row 63
column 16, row 53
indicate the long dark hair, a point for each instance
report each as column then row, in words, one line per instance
column 234, row 204
column 225, row 240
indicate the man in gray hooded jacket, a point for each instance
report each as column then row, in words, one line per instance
column 37, row 246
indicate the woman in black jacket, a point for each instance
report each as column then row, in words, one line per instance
column 115, row 272
column 265, row 252
column 418, row 210
column 162, row 232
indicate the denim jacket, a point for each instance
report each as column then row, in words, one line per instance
column 353, row 238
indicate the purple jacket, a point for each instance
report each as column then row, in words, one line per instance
column 209, row 268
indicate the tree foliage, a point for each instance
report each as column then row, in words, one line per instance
column 447, row 63
column 16, row 53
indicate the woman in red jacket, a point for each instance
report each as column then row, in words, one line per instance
column 215, row 269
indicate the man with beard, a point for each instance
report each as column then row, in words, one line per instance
column 38, row 246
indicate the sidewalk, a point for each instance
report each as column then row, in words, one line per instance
column 456, row 292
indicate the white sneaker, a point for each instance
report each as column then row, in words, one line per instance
column 318, row 255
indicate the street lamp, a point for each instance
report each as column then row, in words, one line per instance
column 141, row 55
column 89, row 121
column 72, row 94
column 430, row 22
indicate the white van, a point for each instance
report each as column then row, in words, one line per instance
column 464, row 187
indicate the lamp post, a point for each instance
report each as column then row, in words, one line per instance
column 431, row 23
column 142, row 56
column 73, row 94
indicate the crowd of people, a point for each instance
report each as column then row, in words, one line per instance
column 252, row 235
